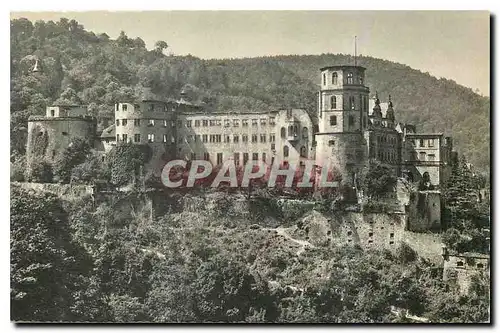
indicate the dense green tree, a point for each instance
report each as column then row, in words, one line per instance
column 76, row 153
column 379, row 179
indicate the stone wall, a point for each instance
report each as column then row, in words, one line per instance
column 459, row 269
column 47, row 137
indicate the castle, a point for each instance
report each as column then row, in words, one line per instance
column 350, row 129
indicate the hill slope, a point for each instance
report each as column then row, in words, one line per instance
column 82, row 67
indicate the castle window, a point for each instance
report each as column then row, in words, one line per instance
column 254, row 122
column 391, row 235
column 64, row 133
column 151, row 137
column 352, row 102
column 117, row 107
column 205, row 122
column 244, row 122
column 263, row 157
column 460, row 264
column 137, row 122
column 236, row 158
column 263, row 122
column 262, row 138
column 219, row 158
column 349, row 233
column 283, row 132
column 324, row 79
column 52, row 112
column 333, row 120
column 331, row 143
column 151, row 122
column 305, row 133
column 422, row 143
column 370, row 234
column 432, row 157
column 236, row 138
column 349, row 78
column 117, row 122
column 124, row 122
column 303, row 151
column 118, row 138
column 255, row 156
column 227, row 123
column 137, row 138
column 273, row 146
column 285, row 151
column 189, row 123
column 227, row 138
column 206, row 156
column 272, row 121
column 245, row 158
column 360, row 80
column 244, row 138
column 272, row 137
column 480, row 266
column 212, row 122
column 124, row 107
column 333, row 102
column 254, row 138
column 431, row 143
column 236, row 123
column 204, row 138
column 334, row 78
column 351, row 120
column 197, row 123
column 391, row 242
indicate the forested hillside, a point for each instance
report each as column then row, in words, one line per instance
column 81, row 67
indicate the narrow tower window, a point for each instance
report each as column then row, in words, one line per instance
column 334, row 78
column 352, row 103
column 285, row 151
column 349, row 78
column 324, row 79
column 333, row 102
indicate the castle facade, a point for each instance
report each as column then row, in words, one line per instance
column 348, row 130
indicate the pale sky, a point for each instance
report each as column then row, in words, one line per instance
column 454, row 45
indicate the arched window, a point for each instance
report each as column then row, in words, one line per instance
column 324, row 79
column 303, row 151
column 285, row 151
column 304, row 133
column 333, row 102
column 290, row 130
column 283, row 132
column 334, row 78
column 295, row 130
column 349, row 78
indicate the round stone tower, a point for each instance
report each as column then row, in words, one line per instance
column 342, row 118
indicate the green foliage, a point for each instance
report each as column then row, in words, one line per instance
column 40, row 172
column 49, row 273
column 125, row 162
column 464, row 215
column 379, row 179
column 76, row 153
